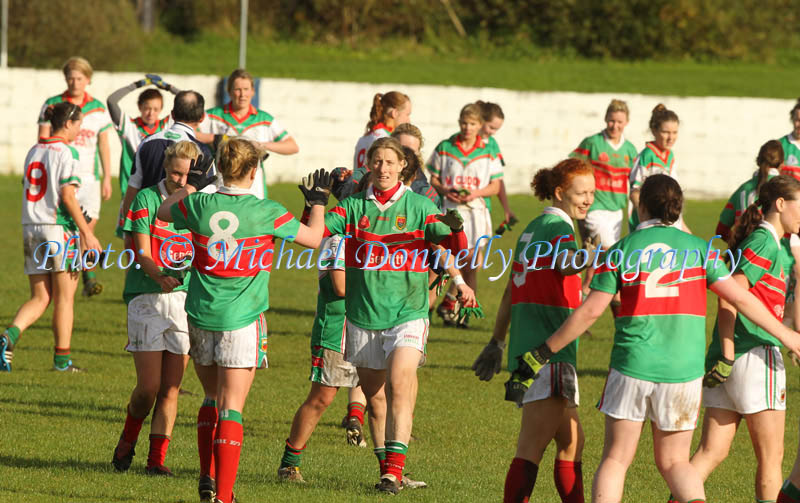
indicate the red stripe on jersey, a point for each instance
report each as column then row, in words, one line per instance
column 565, row 238
column 663, row 155
column 409, row 257
column 469, row 161
column 729, row 206
column 430, row 219
column 182, row 207
column 606, row 182
column 217, row 117
column 339, row 210
column 774, row 282
column 611, row 170
column 546, row 287
column 793, row 171
column 363, row 235
column 138, row 214
column 254, row 257
column 262, row 123
column 581, row 151
column 659, row 297
column 772, row 300
column 174, row 252
column 283, row 219
column 756, row 259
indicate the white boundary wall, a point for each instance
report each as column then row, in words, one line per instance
column 718, row 142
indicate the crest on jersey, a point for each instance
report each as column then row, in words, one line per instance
column 627, row 160
column 603, row 157
column 363, row 223
column 792, row 160
column 778, row 309
column 400, row 222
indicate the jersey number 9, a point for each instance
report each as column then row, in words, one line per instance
column 36, row 180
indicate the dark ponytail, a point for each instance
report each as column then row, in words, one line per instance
column 60, row 113
column 770, row 156
column 662, row 197
column 782, row 186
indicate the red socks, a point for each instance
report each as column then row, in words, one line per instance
column 569, row 480
column 520, row 480
column 206, row 431
column 356, row 410
column 133, row 425
column 395, row 461
column 227, row 448
column 158, row 450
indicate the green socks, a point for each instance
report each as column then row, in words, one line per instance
column 13, row 334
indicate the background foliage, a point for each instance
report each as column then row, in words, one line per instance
column 107, row 32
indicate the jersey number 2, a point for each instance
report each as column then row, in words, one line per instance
column 36, row 174
column 651, row 286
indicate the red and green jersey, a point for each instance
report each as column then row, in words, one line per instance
column 95, row 121
column 132, row 132
column 743, row 197
column 650, row 161
column 459, row 168
column 231, row 294
column 49, row 165
column 363, row 144
column 541, row 300
column 167, row 252
column 791, row 156
column 612, row 168
column 762, row 266
column 386, row 287
column 328, row 329
column 660, row 329
column 256, row 125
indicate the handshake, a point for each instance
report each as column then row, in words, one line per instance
column 157, row 81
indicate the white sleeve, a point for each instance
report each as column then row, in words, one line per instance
column 637, row 173
column 277, row 132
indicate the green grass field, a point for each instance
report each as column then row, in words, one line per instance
column 57, row 432
column 393, row 61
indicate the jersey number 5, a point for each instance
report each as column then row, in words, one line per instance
column 36, row 175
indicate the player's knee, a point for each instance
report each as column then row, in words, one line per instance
column 145, row 393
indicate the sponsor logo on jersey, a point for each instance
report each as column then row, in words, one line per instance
column 778, row 309
column 627, row 160
column 364, row 222
column 400, row 222
column 603, row 157
column 172, row 136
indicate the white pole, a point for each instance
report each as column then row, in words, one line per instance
column 4, row 37
column 242, row 35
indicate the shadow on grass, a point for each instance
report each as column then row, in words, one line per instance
column 49, row 464
column 63, row 409
column 290, row 311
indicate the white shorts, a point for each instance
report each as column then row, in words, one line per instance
column 371, row 348
column 157, row 322
column 477, row 223
column 89, row 196
column 241, row 348
column 672, row 406
column 606, row 224
column 329, row 368
column 34, row 237
column 757, row 382
column 555, row 379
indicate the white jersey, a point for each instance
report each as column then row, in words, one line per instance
column 256, row 125
column 49, row 165
column 465, row 169
column 95, row 121
column 365, row 142
column 134, row 131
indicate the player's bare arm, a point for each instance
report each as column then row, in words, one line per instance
column 105, row 159
column 747, row 304
column 285, row 146
column 145, row 259
column 580, row 320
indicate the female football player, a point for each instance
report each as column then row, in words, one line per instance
column 750, row 382
column 226, row 301
column 50, row 214
column 536, row 302
column 791, row 144
column 656, row 368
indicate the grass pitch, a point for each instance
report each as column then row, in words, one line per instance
column 57, row 432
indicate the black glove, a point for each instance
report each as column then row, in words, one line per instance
column 316, row 188
column 489, row 361
column 529, row 365
column 200, row 172
column 719, row 373
column 452, row 219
